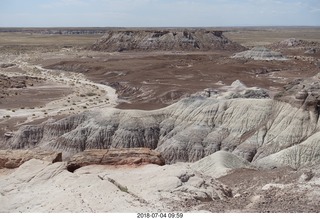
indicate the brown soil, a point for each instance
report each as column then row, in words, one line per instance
column 157, row 79
column 147, row 80
column 18, row 93
column 31, row 96
column 250, row 194
column 249, row 183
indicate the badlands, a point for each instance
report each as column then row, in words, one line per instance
column 160, row 120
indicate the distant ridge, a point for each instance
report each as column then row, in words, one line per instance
column 165, row 40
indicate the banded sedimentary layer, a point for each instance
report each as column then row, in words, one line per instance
column 165, row 40
column 194, row 128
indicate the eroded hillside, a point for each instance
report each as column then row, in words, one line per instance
column 196, row 127
column 165, row 40
column 235, row 135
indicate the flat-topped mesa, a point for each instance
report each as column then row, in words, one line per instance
column 165, row 40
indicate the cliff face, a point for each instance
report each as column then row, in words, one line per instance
column 165, row 40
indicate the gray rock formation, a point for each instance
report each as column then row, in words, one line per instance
column 7, row 65
column 312, row 51
column 302, row 93
column 188, row 130
column 294, row 43
column 260, row 53
column 220, row 163
column 164, row 40
column 291, row 42
column 192, row 128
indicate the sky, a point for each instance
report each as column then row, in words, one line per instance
column 158, row 13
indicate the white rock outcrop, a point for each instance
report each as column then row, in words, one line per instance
column 40, row 186
column 194, row 127
column 220, row 163
column 186, row 131
column 260, row 53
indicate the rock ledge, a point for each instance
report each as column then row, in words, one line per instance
column 129, row 156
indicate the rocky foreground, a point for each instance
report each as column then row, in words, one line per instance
column 221, row 182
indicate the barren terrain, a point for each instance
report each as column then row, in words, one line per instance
column 235, row 132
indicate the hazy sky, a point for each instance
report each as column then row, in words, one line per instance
column 165, row 13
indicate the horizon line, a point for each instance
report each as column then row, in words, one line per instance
column 228, row 26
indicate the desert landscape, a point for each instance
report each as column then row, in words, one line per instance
column 160, row 119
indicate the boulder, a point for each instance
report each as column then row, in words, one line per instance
column 129, row 156
column 14, row 158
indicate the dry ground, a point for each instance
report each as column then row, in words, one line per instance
column 250, row 37
column 150, row 81
column 157, row 79
column 145, row 80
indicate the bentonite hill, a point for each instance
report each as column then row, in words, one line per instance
column 165, row 120
column 165, row 40
column 260, row 53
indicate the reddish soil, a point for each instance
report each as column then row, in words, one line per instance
column 23, row 92
column 157, row 79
